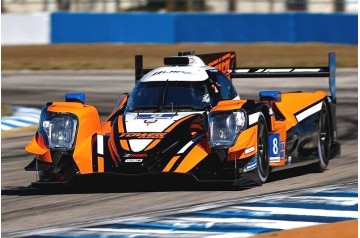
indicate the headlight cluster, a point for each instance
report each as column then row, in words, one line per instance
column 225, row 126
column 59, row 129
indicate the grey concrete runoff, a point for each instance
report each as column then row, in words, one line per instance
column 23, row 210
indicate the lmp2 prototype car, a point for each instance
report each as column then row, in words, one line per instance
column 186, row 118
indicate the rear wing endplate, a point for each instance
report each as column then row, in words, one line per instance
column 139, row 69
column 286, row 72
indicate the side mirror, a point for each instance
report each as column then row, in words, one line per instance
column 75, row 97
column 119, row 107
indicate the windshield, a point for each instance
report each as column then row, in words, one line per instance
column 170, row 95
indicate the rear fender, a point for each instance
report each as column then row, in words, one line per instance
column 331, row 108
column 292, row 104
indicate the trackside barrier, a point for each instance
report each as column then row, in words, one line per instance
column 203, row 27
column 25, row 29
column 169, row 28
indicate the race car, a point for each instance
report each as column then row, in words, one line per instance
column 186, row 118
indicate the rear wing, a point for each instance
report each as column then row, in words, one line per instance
column 223, row 61
column 286, row 72
column 226, row 63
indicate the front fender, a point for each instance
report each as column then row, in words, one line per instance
column 88, row 125
column 34, row 148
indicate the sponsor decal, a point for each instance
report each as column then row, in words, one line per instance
column 274, row 147
column 135, row 156
column 251, row 165
column 308, row 112
column 171, row 72
column 145, row 116
column 223, row 63
column 148, row 135
column 150, row 121
column 274, row 160
column 133, row 160
column 253, row 118
column 167, row 115
column 249, row 150
column 289, row 160
column 282, row 150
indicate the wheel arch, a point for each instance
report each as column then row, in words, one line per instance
column 331, row 111
column 265, row 110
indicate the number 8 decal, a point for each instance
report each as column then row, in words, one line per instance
column 274, row 143
column 275, row 146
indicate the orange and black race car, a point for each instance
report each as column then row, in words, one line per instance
column 186, row 118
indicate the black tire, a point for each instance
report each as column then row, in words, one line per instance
column 324, row 141
column 262, row 151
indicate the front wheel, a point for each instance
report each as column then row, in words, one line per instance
column 262, row 151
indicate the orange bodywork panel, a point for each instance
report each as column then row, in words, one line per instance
column 191, row 159
column 124, row 143
column 88, row 125
column 106, row 127
column 272, row 121
column 228, row 105
column 34, row 147
column 122, row 101
column 101, row 164
column 246, row 144
column 171, row 163
column 152, row 144
column 292, row 103
column 38, row 147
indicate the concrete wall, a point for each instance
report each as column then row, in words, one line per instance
column 24, row 29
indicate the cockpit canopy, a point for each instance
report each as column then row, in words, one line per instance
column 180, row 94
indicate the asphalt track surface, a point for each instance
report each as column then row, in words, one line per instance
column 24, row 209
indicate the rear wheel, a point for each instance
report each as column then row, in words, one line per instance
column 262, row 151
column 324, row 141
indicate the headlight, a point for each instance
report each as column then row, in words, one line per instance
column 59, row 129
column 225, row 126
